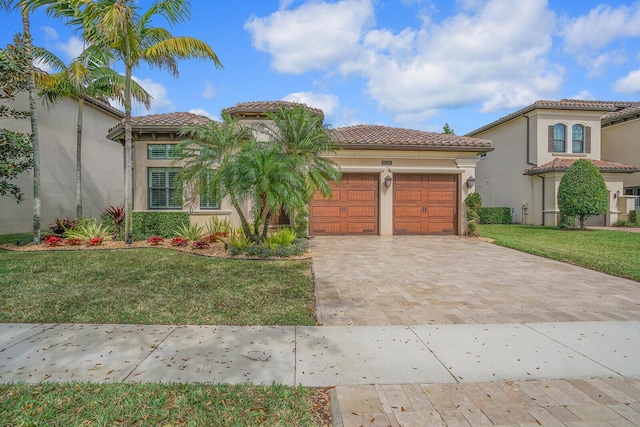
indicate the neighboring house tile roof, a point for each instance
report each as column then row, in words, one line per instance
column 261, row 107
column 158, row 122
column 629, row 113
column 564, row 104
column 374, row 136
column 561, row 164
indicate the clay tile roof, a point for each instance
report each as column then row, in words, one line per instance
column 563, row 104
column 561, row 164
column 373, row 136
column 629, row 113
column 159, row 122
column 260, row 107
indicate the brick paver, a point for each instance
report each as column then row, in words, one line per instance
column 406, row 280
column 491, row 404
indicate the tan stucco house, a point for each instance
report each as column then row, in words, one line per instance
column 395, row 181
column 102, row 164
column 534, row 146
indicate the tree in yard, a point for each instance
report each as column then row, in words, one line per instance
column 15, row 147
column 87, row 76
column 31, row 88
column 582, row 193
column 120, row 27
column 447, row 130
column 222, row 160
column 301, row 135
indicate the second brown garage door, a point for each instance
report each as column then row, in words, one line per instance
column 352, row 210
column 425, row 204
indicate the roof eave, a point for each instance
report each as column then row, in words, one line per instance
column 357, row 146
column 116, row 133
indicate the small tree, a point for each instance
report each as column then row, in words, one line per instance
column 473, row 202
column 582, row 193
column 447, row 129
column 16, row 150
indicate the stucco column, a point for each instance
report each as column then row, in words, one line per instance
column 386, row 204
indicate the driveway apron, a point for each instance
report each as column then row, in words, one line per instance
column 422, row 280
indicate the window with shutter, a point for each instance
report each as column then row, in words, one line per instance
column 587, row 139
column 206, row 199
column 577, row 139
column 559, row 138
column 160, row 151
column 162, row 192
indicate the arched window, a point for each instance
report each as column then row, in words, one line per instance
column 559, row 138
column 577, row 139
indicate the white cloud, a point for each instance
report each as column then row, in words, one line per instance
column 50, row 33
column 629, row 84
column 327, row 103
column 315, row 35
column 587, row 35
column 72, row 48
column 475, row 56
column 209, row 91
column 584, row 95
column 159, row 103
column 203, row 112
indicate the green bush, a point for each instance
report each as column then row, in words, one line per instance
column 473, row 202
column 495, row 215
column 301, row 221
column 147, row 224
column 191, row 232
column 582, row 192
column 622, row 223
column 633, row 217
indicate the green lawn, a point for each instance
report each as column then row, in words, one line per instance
column 77, row 404
column 152, row 286
column 609, row 251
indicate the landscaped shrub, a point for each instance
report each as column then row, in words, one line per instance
column 633, row 217
column 623, row 223
column 200, row 244
column 219, row 226
column 582, row 193
column 179, row 241
column 53, row 240
column 87, row 229
column 301, row 221
column 473, row 202
column 96, row 241
column 155, row 240
column 113, row 216
column 61, row 225
column 190, row 231
column 495, row 215
column 163, row 224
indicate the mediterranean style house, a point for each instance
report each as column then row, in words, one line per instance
column 395, row 181
column 534, row 146
column 102, row 164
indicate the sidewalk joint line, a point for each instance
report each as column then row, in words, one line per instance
column 32, row 336
column 153, row 349
column 434, row 354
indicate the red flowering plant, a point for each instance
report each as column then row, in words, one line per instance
column 200, row 244
column 96, row 241
column 52, row 240
column 179, row 241
column 73, row 242
column 213, row 238
column 155, row 240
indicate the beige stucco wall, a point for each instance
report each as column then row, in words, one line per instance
column 621, row 143
column 102, row 160
column 462, row 164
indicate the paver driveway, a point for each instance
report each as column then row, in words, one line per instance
column 414, row 280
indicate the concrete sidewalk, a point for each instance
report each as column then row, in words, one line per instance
column 320, row 356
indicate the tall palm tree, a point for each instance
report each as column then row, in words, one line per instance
column 35, row 141
column 120, row 27
column 87, row 76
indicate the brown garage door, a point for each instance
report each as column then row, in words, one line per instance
column 425, row 204
column 352, row 210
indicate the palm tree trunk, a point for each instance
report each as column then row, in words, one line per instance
column 34, row 126
column 128, row 149
column 79, row 159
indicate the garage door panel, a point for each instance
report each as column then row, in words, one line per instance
column 425, row 204
column 352, row 210
column 357, row 195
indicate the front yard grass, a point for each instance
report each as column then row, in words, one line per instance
column 609, row 251
column 152, row 286
column 80, row 404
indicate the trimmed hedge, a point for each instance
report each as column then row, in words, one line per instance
column 495, row 215
column 164, row 224
column 633, row 217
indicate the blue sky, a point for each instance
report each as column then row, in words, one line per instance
column 404, row 63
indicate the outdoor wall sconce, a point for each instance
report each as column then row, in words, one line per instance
column 617, row 194
column 471, row 181
column 387, row 181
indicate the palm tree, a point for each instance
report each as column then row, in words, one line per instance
column 87, row 76
column 120, row 27
column 301, row 135
column 35, row 141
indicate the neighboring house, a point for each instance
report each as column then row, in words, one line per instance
column 621, row 142
column 395, row 181
column 102, row 164
column 534, row 147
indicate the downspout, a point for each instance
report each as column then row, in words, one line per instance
column 529, row 162
column 542, row 177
